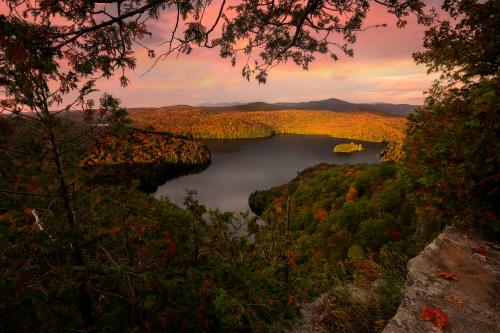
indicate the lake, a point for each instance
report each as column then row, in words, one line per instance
column 240, row 167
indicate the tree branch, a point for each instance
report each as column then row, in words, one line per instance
column 86, row 30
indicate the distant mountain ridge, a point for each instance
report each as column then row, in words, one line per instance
column 343, row 106
column 331, row 104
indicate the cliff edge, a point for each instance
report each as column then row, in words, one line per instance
column 453, row 285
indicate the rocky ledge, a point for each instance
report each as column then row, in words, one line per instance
column 453, row 285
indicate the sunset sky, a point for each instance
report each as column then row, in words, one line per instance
column 382, row 70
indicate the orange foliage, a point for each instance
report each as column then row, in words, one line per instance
column 352, row 194
column 203, row 123
column 6, row 218
column 350, row 173
column 321, row 214
column 143, row 148
column 318, row 254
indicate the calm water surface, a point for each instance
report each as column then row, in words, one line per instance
column 240, row 167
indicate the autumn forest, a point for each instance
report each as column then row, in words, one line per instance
column 88, row 245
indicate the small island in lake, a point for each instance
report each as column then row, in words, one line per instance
column 345, row 148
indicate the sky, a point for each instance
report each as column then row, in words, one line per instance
column 382, row 70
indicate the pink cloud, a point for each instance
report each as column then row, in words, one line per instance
column 381, row 70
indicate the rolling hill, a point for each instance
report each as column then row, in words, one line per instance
column 331, row 104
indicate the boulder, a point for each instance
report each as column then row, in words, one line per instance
column 459, row 274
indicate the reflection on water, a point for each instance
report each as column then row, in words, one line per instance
column 240, row 167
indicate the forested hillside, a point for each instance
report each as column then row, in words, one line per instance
column 202, row 123
column 158, row 267
column 137, row 147
column 345, row 228
column 149, row 157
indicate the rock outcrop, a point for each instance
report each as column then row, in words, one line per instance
column 458, row 274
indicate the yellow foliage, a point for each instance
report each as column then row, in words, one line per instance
column 347, row 147
column 202, row 123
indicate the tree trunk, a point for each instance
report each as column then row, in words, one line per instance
column 66, row 194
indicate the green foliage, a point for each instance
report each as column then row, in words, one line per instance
column 452, row 142
column 452, row 151
column 347, row 147
column 260, row 200
column 148, row 266
column 353, row 308
column 118, row 117
column 347, row 240
column 375, row 233
column 355, row 252
column 467, row 46
column 145, row 264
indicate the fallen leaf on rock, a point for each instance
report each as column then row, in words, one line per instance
column 480, row 249
column 447, row 275
column 436, row 315
column 453, row 300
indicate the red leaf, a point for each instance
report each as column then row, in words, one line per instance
column 114, row 230
column 447, row 275
column 147, row 326
column 480, row 249
column 491, row 215
column 395, row 235
column 321, row 214
column 436, row 315
column 19, row 285
column 171, row 248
